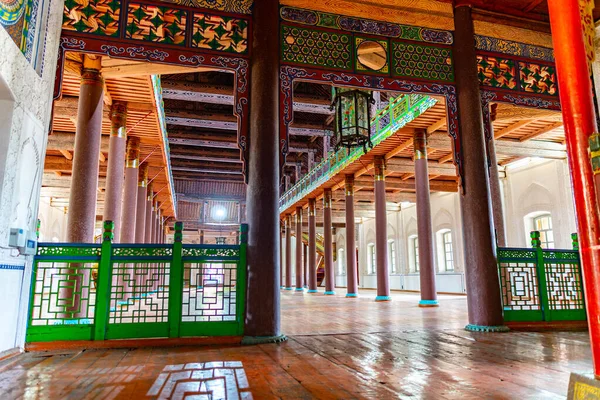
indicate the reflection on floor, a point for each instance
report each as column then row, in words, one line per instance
column 338, row 349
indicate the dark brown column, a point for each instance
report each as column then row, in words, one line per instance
column 424, row 225
column 113, row 198
column 149, row 214
column 483, row 287
column 84, row 181
column 328, row 244
column 299, row 245
column 495, row 191
column 142, row 200
column 288, row 252
column 351, row 272
column 130, row 190
column 304, row 264
column 383, row 283
column 281, row 255
column 262, row 308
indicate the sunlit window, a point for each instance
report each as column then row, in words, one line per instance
column 341, row 262
column 392, row 256
column 543, row 224
column 371, row 261
column 448, row 252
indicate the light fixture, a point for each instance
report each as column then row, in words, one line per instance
column 352, row 117
column 219, row 213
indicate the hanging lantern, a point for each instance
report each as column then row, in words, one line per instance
column 352, row 117
column 220, row 240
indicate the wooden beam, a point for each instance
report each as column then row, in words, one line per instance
column 196, row 198
column 146, row 69
column 407, row 165
column 542, row 131
column 437, row 125
column 399, row 149
column 511, row 128
column 64, row 141
column 446, row 158
column 67, row 154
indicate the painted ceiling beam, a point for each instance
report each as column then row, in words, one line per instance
column 202, row 198
column 66, row 141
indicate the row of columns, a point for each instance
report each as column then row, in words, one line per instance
column 129, row 199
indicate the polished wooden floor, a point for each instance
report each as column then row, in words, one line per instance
column 338, row 349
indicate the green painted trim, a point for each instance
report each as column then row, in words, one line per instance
column 242, row 283
column 176, row 284
column 52, row 333
column 485, row 328
column 137, row 330
column 103, row 290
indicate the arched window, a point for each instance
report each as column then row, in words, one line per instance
column 341, row 262
column 392, row 256
column 413, row 253
column 371, row 260
column 448, row 251
column 543, row 224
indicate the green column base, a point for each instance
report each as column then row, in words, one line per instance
column 484, row 328
column 251, row 340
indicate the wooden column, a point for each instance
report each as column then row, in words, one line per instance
column 288, row 252
column 113, row 198
column 495, row 190
column 142, row 200
column 383, row 283
column 304, row 265
column 149, row 214
column 328, row 244
column 351, row 271
column 86, row 164
column 299, row 265
column 579, row 120
column 282, row 256
column 483, row 286
column 424, row 226
column 130, row 190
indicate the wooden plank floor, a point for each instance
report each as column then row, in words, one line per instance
column 338, row 349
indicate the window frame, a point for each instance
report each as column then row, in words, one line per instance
column 544, row 242
column 415, row 251
column 392, row 256
column 371, row 259
column 448, row 253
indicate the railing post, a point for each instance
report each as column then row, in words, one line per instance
column 575, row 240
column 536, row 244
column 176, row 282
column 104, row 280
column 241, row 281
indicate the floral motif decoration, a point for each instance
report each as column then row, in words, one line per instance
column 155, row 24
column 232, row 6
column 223, row 33
column 497, row 72
column 142, row 251
column 496, row 45
column 99, row 17
column 539, row 79
column 216, row 252
column 422, row 61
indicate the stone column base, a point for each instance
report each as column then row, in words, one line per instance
column 251, row 340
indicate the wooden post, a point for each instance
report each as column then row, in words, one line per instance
column 102, row 305
column 312, row 246
column 352, row 273
column 142, row 200
column 328, row 244
column 130, row 191
column 383, row 284
column 299, row 265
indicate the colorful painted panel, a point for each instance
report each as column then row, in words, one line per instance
column 496, row 45
column 540, row 79
column 100, row 17
column 220, row 33
column 422, row 61
column 359, row 25
column 318, row 48
column 18, row 18
column 372, row 55
column 497, row 72
column 233, row 6
column 155, row 24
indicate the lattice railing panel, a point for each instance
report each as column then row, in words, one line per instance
column 564, row 286
column 63, row 293
column 519, row 285
column 139, row 293
column 209, row 292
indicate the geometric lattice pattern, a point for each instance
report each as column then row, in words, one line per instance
column 220, row 33
column 209, row 292
column 139, row 292
column 100, row 17
column 63, row 294
column 497, row 72
column 519, row 285
column 317, row 48
column 536, row 78
column 155, row 24
column 210, row 380
column 422, row 61
column 564, row 286
column 232, row 6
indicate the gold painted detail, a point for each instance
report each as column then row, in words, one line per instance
column 92, row 77
column 149, row 192
column 312, row 207
column 586, row 7
column 299, row 216
column 143, row 175
column 327, row 198
column 583, row 391
column 420, row 145
column 380, row 168
column 133, row 152
column 594, row 141
column 349, row 185
column 118, row 119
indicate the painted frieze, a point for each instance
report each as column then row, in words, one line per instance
column 155, row 24
column 98, row 17
column 420, row 61
column 18, row 18
column 497, row 72
column 222, row 33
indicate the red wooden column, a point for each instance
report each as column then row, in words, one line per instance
column 113, row 198
column 299, row 245
column 483, row 285
column 351, row 272
column 86, row 164
column 149, row 214
column 383, row 283
column 130, row 190
column 579, row 121
column 281, row 255
column 424, row 227
column 288, row 252
column 312, row 246
column 328, row 244
column 142, row 200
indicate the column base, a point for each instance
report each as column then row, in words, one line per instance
column 352, row 295
column 299, row 289
column 383, row 298
column 289, row 288
column 329, row 293
column 313, row 291
column 429, row 303
column 250, row 340
column 485, row 328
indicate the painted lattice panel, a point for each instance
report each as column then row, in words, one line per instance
column 63, row 294
column 139, row 293
column 209, row 292
column 68, row 250
column 155, row 24
column 317, row 48
column 536, row 78
column 519, row 286
column 497, row 72
column 564, row 285
column 219, row 252
column 220, row 33
column 422, row 61
column 142, row 251
column 100, row 17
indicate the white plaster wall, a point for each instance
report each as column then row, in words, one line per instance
column 21, row 162
column 53, row 222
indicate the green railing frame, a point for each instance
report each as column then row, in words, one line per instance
column 103, row 255
column 537, row 259
column 397, row 114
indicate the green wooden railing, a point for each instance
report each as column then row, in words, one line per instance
column 541, row 285
column 396, row 115
column 133, row 291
